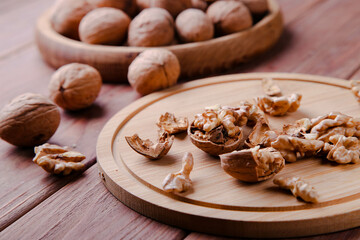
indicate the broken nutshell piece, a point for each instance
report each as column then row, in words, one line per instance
column 343, row 149
column 169, row 123
column 278, row 106
column 298, row 187
column 253, row 165
column 180, row 181
column 55, row 159
column 270, row 87
column 148, row 148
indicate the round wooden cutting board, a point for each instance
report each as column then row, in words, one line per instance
column 218, row 203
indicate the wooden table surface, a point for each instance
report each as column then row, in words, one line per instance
column 320, row 37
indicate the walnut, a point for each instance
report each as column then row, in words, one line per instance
column 148, row 148
column 278, row 106
column 75, row 86
column 56, row 159
column 193, row 25
column 229, row 16
column 174, row 7
column 128, row 6
column 67, row 14
column 343, row 149
column 298, row 187
column 169, row 123
column 150, row 28
column 298, row 129
column 29, row 120
column 104, row 26
column 270, row 88
column 261, row 135
column 199, row 4
column 153, row 70
column 253, row 165
column 258, row 7
column 290, row 147
column 180, row 181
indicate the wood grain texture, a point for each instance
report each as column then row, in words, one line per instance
column 113, row 61
column 231, row 207
column 76, row 211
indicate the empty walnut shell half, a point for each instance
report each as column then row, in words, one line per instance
column 216, row 141
column 148, row 148
column 253, row 165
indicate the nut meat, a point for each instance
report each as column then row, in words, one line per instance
column 270, row 88
column 180, row 181
column 278, row 106
column 253, row 165
column 298, row 187
column 55, row 159
column 148, row 148
column 169, row 123
column 343, row 149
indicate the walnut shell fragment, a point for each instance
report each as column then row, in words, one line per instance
column 343, row 149
column 261, row 135
column 180, row 181
column 253, row 165
column 278, row 106
column 298, row 187
column 169, row 123
column 148, row 148
column 270, row 87
column 55, row 159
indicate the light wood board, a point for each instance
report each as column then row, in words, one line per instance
column 113, row 61
column 218, row 203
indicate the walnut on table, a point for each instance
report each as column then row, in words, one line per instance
column 169, row 123
column 261, row 135
column 298, row 129
column 253, row 165
column 150, row 149
column 278, row 106
column 180, row 181
column 298, row 187
column 55, row 159
column 343, row 149
column 270, row 87
column 290, row 147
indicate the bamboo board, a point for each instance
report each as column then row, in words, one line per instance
column 218, row 203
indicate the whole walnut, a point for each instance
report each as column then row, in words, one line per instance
column 152, row 70
column 128, row 6
column 174, row 7
column 104, row 26
column 256, row 6
column 67, row 14
column 229, row 16
column 199, row 4
column 75, row 86
column 193, row 25
column 28, row 120
column 152, row 27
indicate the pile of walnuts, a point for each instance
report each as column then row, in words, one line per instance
column 151, row 23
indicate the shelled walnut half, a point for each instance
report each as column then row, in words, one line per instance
column 148, row 148
column 270, row 87
column 253, row 165
column 343, row 149
column 55, row 159
column 169, row 123
column 278, row 106
column 180, row 181
column 298, row 187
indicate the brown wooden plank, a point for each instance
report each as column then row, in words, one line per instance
column 322, row 41
column 86, row 210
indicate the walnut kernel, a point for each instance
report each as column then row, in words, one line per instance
column 278, row 106
column 169, row 123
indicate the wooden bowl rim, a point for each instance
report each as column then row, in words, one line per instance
column 44, row 26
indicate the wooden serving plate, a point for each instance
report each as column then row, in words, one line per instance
column 195, row 58
column 218, row 203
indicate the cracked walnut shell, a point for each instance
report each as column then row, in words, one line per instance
column 75, row 86
column 104, row 26
column 153, row 70
column 150, row 28
column 55, row 159
column 253, row 165
column 149, row 149
column 29, row 120
column 180, row 181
